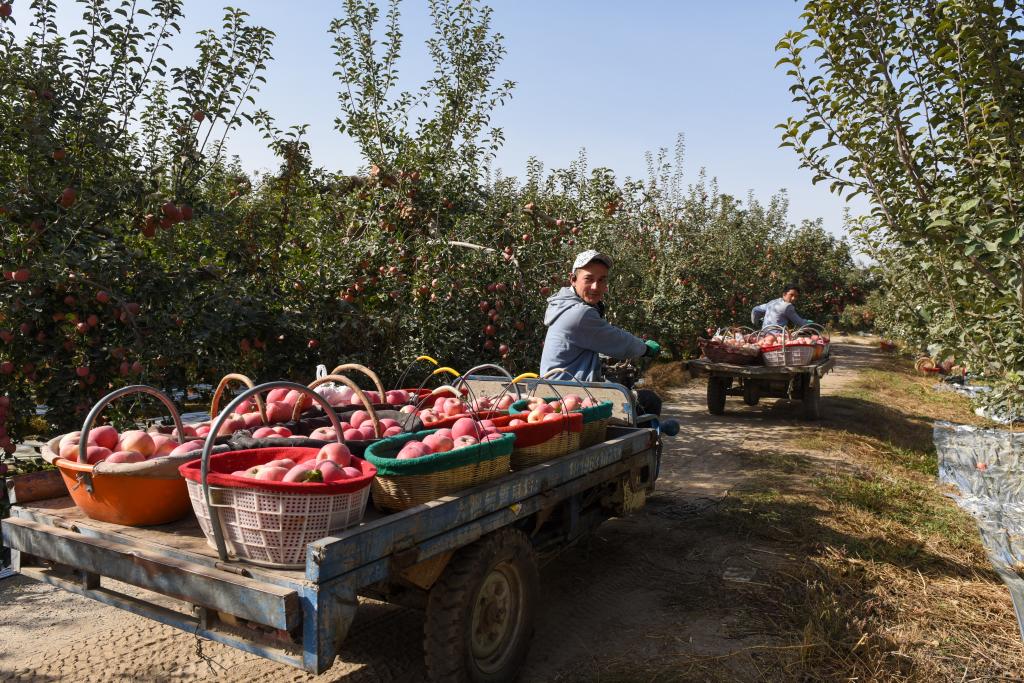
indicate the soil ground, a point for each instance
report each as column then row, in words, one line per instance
column 739, row 568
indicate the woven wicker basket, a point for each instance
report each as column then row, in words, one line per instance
column 401, row 493
column 402, row 484
column 717, row 352
column 563, row 444
column 595, row 420
column 594, row 433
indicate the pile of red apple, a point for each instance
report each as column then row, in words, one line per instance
column 465, row 432
column 105, row 444
column 811, row 340
column 359, row 427
column 539, row 410
column 445, row 407
column 344, row 396
column 333, row 463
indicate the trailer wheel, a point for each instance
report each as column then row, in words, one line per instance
column 480, row 613
column 811, row 401
column 716, row 395
column 751, row 392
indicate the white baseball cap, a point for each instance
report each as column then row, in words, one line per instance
column 585, row 257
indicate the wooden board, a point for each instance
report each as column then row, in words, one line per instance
column 27, row 488
column 186, row 581
column 182, row 539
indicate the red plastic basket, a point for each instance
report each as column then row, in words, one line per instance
column 271, row 522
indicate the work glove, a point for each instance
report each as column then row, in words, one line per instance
column 653, row 348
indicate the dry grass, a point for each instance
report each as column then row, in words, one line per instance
column 896, row 584
column 662, row 377
column 879, row 576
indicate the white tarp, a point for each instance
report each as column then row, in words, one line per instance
column 987, row 466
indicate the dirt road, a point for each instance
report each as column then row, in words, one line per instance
column 651, row 587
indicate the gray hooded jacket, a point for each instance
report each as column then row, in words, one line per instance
column 578, row 332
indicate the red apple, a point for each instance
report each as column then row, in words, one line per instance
column 67, row 197
column 96, row 454
column 104, row 435
column 271, row 473
column 125, row 456
column 137, row 440
column 337, row 453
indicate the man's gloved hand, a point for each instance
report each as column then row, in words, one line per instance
column 653, row 348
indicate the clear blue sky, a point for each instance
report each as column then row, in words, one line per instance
column 613, row 77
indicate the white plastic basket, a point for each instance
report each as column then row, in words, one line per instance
column 775, row 357
column 799, row 354
column 271, row 528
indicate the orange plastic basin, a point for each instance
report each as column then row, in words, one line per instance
column 127, row 500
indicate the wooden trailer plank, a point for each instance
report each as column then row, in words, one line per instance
column 224, row 591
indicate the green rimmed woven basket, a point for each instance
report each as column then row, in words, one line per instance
column 595, row 420
column 402, row 484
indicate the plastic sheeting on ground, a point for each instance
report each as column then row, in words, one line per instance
column 987, row 466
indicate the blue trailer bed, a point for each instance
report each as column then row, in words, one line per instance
column 299, row 617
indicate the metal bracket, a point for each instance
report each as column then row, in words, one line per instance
column 84, row 479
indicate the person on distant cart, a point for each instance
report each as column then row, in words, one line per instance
column 577, row 329
column 779, row 312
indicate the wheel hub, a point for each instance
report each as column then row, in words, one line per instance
column 496, row 617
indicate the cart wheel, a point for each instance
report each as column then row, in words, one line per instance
column 480, row 613
column 811, row 400
column 751, row 393
column 716, row 395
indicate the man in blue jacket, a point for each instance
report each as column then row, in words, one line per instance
column 779, row 311
column 577, row 329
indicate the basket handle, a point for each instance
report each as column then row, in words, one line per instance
column 486, row 366
column 574, row 378
column 545, row 380
column 443, row 388
column 777, row 330
column 355, row 389
column 218, row 532
column 215, row 402
column 85, row 478
column 813, row 328
column 450, row 371
column 366, row 371
column 405, row 373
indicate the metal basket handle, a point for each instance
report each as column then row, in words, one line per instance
column 545, row 380
column 487, row 366
column 366, row 371
column 85, row 478
column 777, row 330
column 218, row 533
column 574, row 378
column 355, row 389
column 438, row 371
column 405, row 373
column 215, row 402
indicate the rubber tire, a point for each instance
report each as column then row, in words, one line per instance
column 751, row 393
column 648, row 403
column 811, row 401
column 446, row 642
column 716, row 395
